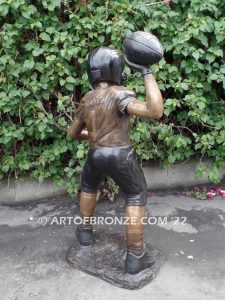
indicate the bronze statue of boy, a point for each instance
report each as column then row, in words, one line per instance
column 103, row 119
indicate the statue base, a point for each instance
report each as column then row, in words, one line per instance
column 106, row 258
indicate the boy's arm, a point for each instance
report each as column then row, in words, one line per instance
column 77, row 129
column 153, row 107
column 77, row 132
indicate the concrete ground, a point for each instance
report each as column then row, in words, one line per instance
column 32, row 255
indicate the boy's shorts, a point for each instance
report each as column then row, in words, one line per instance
column 121, row 165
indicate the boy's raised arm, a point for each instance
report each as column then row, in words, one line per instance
column 153, row 107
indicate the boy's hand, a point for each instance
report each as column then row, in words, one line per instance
column 138, row 68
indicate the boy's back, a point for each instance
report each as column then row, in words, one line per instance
column 104, row 114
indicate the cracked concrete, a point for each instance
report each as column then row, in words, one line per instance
column 32, row 256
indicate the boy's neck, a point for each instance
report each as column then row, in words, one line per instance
column 103, row 85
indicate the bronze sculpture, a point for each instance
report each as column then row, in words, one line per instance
column 103, row 119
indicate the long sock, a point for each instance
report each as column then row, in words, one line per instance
column 87, row 208
column 134, row 232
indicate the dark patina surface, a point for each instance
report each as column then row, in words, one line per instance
column 105, row 260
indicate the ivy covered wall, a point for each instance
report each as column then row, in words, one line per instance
column 43, row 49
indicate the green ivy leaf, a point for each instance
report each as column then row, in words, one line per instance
column 45, row 37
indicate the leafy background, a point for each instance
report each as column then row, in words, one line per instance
column 43, row 49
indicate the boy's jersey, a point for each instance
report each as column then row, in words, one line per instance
column 104, row 112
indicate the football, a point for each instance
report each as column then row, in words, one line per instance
column 143, row 48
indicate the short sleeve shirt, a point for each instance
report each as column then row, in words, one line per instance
column 104, row 112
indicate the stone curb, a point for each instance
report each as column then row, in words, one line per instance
column 27, row 190
column 179, row 175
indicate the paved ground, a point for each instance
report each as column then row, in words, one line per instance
column 32, row 264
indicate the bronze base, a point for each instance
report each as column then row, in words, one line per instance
column 105, row 259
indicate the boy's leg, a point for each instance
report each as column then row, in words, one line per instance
column 89, row 186
column 129, row 176
column 87, row 209
column 135, row 229
column 137, row 258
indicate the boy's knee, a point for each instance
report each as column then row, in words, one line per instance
column 137, row 199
